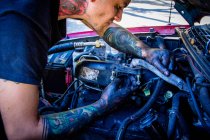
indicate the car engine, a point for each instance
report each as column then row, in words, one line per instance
column 164, row 107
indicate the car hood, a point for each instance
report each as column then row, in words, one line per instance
column 193, row 10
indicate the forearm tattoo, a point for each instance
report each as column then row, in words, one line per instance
column 72, row 7
column 59, row 125
column 122, row 40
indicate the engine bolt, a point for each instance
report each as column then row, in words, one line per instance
column 192, row 41
column 138, row 79
column 112, row 76
column 168, row 95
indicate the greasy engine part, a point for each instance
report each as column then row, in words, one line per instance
column 197, row 42
column 102, row 72
column 172, row 79
column 139, row 113
column 171, row 114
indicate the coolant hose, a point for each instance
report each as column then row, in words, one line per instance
column 141, row 112
column 174, row 112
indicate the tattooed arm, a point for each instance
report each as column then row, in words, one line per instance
column 61, row 124
column 113, row 34
column 122, row 40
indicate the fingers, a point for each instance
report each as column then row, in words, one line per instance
column 124, row 81
column 165, row 62
column 113, row 85
column 165, row 58
column 119, row 82
column 159, row 66
column 161, row 60
column 116, row 81
column 129, row 84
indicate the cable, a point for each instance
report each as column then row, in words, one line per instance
column 75, row 96
column 195, row 104
column 58, row 100
column 193, row 65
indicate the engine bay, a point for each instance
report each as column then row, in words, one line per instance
column 173, row 107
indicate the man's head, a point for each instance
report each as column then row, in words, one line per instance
column 97, row 14
column 101, row 13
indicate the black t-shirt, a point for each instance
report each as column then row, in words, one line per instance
column 27, row 29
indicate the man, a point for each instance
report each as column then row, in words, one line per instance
column 25, row 36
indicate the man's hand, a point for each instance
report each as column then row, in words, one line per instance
column 117, row 91
column 157, row 57
column 124, row 41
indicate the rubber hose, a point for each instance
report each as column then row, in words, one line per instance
column 141, row 112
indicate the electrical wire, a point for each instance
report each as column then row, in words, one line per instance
column 74, row 98
column 64, row 94
column 193, row 65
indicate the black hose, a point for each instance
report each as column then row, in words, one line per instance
column 174, row 111
column 184, row 127
column 75, row 98
column 66, row 100
column 195, row 104
column 141, row 112
column 61, row 48
column 66, row 92
column 203, row 96
column 204, row 99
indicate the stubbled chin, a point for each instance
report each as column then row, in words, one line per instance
column 100, row 29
